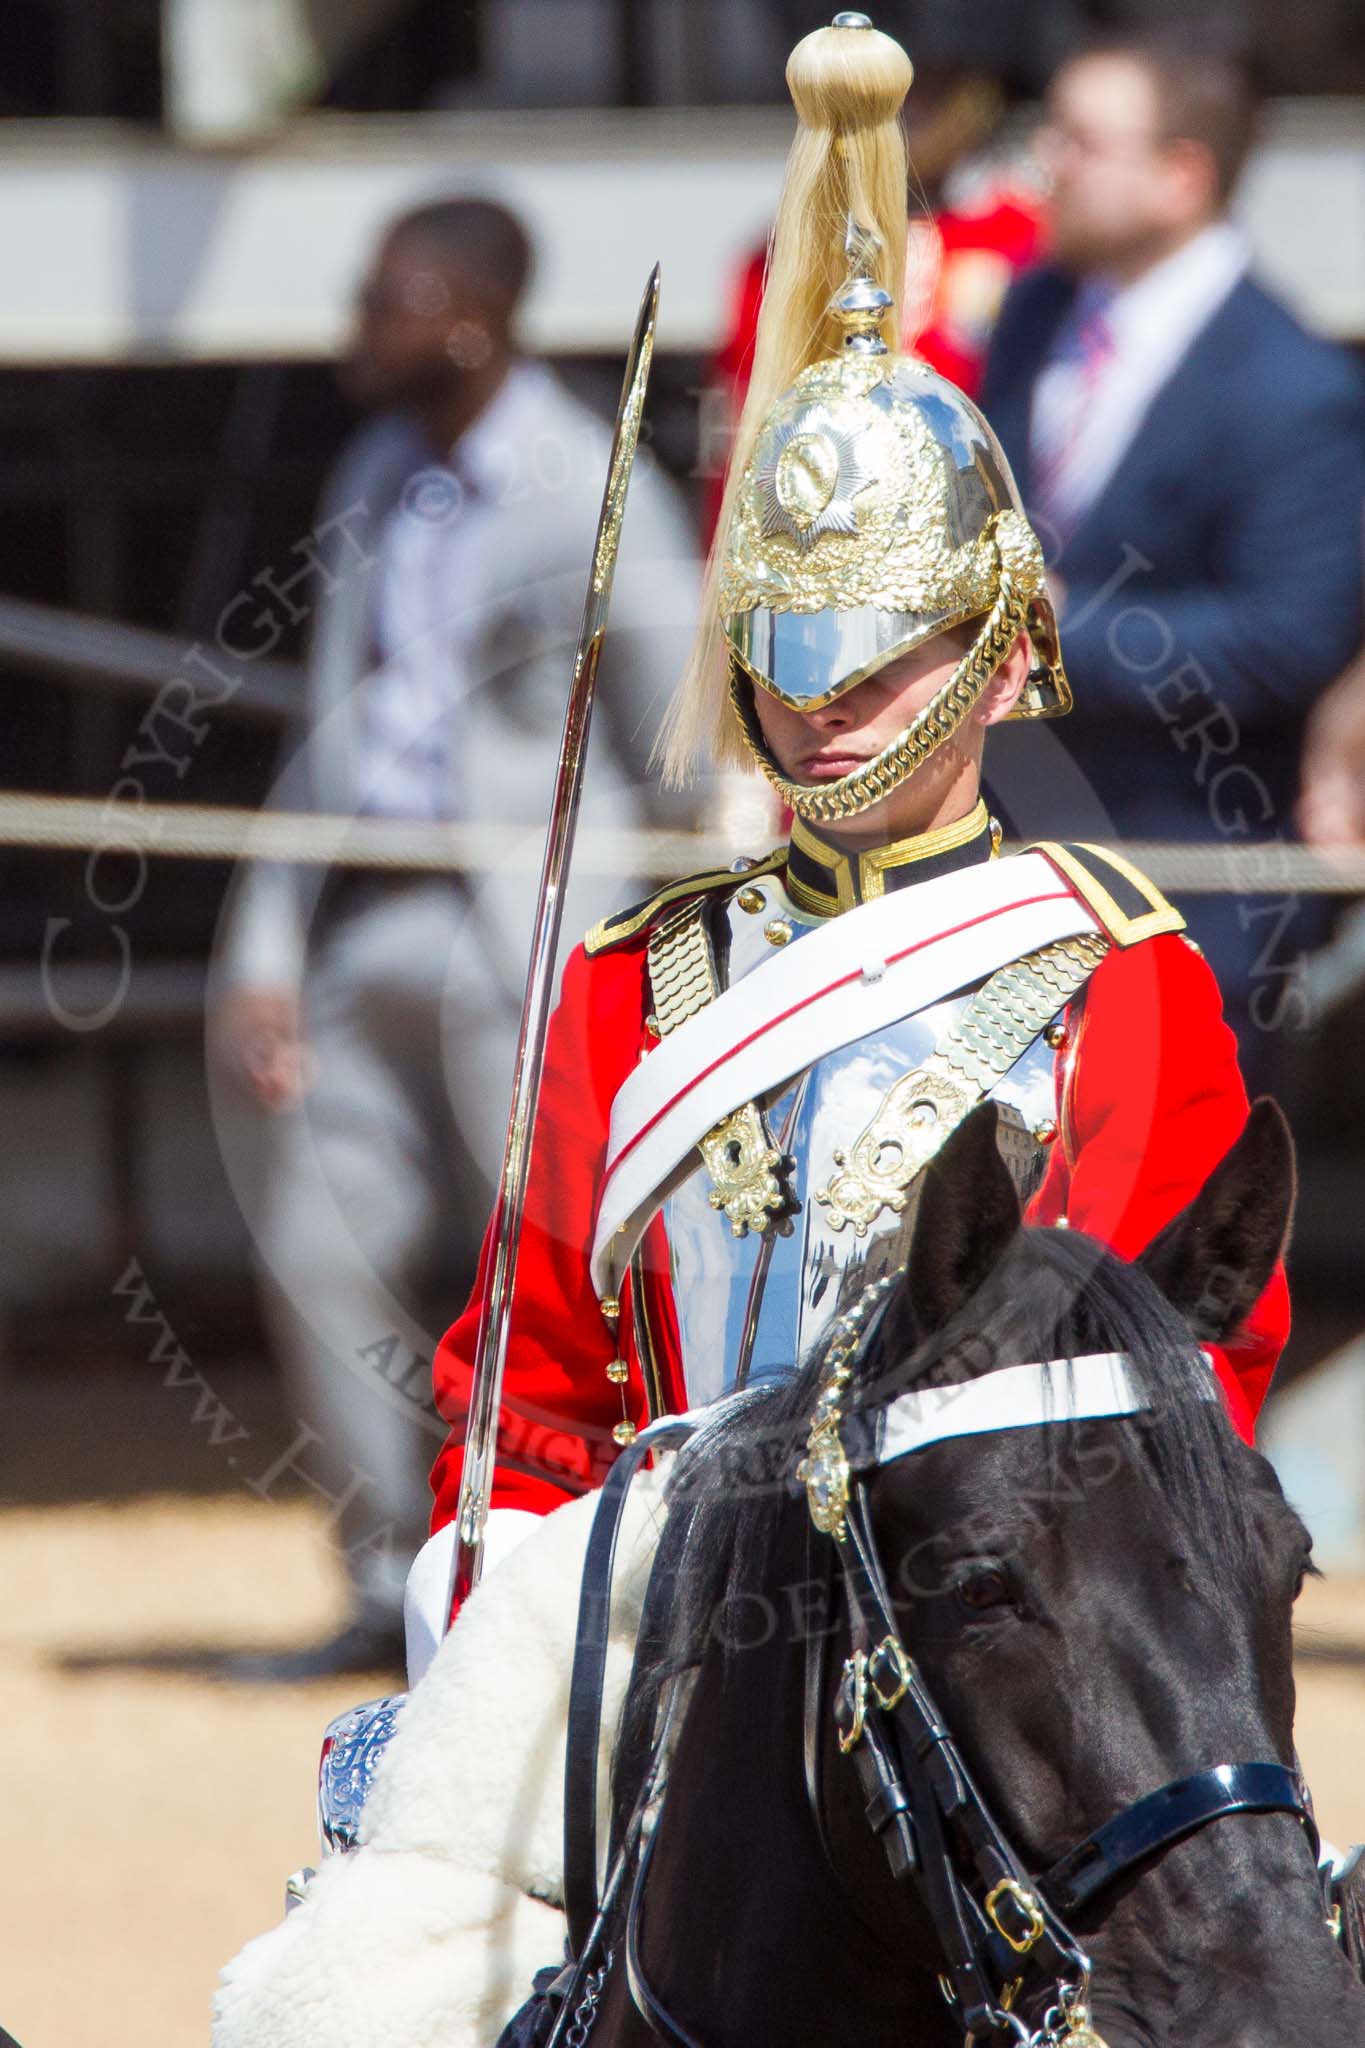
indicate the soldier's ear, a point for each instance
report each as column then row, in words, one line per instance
column 1006, row 686
column 1213, row 1261
column 968, row 1213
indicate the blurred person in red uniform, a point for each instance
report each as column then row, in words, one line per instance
column 1194, row 462
column 963, row 253
column 713, row 1173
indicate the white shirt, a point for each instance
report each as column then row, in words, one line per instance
column 430, row 584
column 1084, row 420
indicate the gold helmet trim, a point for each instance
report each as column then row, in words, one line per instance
column 863, row 526
column 1046, row 694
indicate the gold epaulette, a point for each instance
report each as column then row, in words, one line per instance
column 628, row 924
column 1129, row 907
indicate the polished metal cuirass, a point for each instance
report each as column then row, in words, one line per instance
column 750, row 1307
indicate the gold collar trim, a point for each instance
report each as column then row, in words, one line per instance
column 823, row 880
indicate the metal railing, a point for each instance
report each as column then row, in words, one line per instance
column 221, row 832
column 132, row 661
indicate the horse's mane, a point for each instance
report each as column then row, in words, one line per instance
column 1054, row 1294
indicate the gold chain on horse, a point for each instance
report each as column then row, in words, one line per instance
column 1065, row 2024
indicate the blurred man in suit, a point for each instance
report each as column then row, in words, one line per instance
column 376, row 1015
column 1195, row 462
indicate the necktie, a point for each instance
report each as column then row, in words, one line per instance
column 1085, row 352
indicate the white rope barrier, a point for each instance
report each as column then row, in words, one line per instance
column 319, row 839
column 214, row 832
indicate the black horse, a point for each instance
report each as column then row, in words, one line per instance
column 1097, row 1608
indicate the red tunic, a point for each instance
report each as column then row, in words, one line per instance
column 1149, row 1099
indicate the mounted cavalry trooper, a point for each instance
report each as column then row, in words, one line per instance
column 747, row 1073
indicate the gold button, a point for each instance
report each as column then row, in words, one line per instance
column 624, row 1433
column 752, row 900
column 1056, row 1034
column 778, row 932
column 1045, row 1132
column 618, row 1372
column 610, row 1307
column 653, row 1026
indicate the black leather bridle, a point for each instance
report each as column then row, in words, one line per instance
column 1002, row 1928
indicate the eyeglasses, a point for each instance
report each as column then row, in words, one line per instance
column 1133, row 145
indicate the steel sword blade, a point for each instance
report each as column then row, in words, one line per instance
column 490, row 1356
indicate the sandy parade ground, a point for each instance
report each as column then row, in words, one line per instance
column 150, row 1821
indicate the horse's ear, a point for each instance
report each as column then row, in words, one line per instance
column 968, row 1212
column 1212, row 1263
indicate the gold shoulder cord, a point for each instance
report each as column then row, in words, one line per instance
column 750, row 1175
column 920, row 1111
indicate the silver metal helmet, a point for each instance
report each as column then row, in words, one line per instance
column 877, row 509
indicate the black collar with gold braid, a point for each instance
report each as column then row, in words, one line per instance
column 822, row 881
column 824, row 878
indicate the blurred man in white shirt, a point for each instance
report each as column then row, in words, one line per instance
column 376, row 1015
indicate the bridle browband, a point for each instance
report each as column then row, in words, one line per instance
column 1001, row 1927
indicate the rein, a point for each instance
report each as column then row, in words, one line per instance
column 590, row 1913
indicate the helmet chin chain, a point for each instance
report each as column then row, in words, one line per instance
column 827, row 802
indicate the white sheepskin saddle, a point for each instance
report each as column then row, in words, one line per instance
column 429, row 1933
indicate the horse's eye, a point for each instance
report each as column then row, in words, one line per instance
column 982, row 1586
